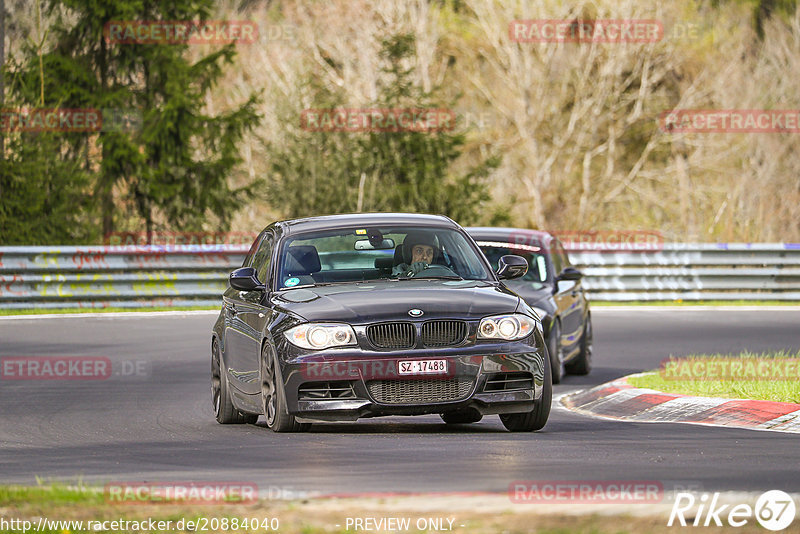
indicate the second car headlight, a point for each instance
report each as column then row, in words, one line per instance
column 321, row 336
column 508, row 327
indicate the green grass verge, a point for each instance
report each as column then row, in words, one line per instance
column 50, row 495
column 311, row 516
column 57, row 311
column 715, row 376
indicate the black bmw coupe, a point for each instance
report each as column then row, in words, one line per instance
column 347, row 316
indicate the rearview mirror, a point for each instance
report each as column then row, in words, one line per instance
column 569, row 273
column 365, row 244
column 511, row 266
column 245, row 279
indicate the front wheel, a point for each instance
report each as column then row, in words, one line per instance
column 536, row 418
column 582, row 365
column 556, row 352
column 224, row 410
column 273, row 397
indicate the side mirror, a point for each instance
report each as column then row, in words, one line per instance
column 511, row 266
column 569, row 273
column 245, row 279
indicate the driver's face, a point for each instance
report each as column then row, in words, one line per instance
column 423, row 253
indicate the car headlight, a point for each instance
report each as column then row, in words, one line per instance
column 317, row 336
column 508, row 327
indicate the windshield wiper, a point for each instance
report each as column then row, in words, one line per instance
column 321, row 284
column 441, row 277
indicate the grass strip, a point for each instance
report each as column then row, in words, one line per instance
column 772, row 376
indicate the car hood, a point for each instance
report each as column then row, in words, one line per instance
column 532, row 293
column 391, row 300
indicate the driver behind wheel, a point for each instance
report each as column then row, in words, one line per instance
column 418, row 253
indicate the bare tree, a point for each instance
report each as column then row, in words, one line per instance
column 577, row 123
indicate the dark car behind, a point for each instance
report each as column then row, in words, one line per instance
column 552, row 287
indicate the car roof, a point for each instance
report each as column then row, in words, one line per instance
column 294, row 226
column 506, row 234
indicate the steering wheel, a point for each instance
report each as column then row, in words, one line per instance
column 436, row 270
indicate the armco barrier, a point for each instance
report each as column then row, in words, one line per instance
column 106, row 276
column 195, row 275
column 724, row 271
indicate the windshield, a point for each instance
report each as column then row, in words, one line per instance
column 537, row 259
column 377, row 253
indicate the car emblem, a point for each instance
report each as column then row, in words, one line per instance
column 415, row 312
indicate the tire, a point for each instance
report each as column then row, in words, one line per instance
column 536, row 418
column 556, row 352
column 582, row 365
column 461, row 418
column 273, row 397
column 224, row 410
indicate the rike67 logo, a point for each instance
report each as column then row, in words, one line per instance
column 774, row 510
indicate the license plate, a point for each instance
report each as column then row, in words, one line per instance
column 422, row 367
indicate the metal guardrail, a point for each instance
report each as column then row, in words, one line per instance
column 195, row 275
column 735, row 271
column 105, row 276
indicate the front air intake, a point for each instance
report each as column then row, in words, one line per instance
column 342, row 389
column 508, row 382
column 424, row 391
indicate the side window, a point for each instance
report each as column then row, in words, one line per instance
column 248, row 260
column 261, row 260
column 555, row 257
column 562, row 256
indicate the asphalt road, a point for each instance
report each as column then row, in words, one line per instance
column 153, row 421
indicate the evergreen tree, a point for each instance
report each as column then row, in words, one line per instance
column 407, row 170
column 44, row 195
column 174, row 166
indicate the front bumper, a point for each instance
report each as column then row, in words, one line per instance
column 479, row 378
